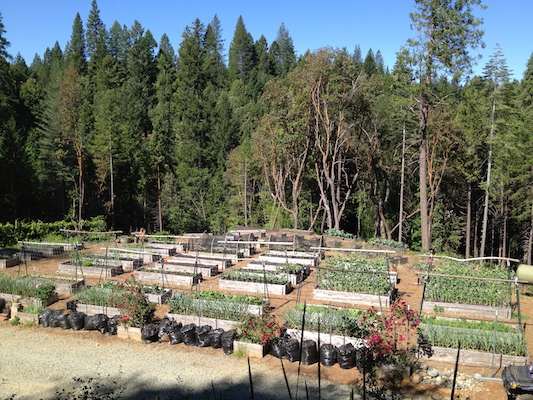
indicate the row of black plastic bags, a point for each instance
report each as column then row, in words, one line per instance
column 283, row 347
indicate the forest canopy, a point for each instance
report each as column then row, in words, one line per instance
column 123, row 126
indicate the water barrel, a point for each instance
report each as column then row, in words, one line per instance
column 524, row 272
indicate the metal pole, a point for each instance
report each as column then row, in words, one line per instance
column 494, row 344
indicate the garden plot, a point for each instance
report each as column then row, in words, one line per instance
column 310, row 260
column 355, row 280
column 221, row 264
column 224, row 244
column 263, row 282
column 213, row 308
column 128, row 264
column 145, row 255
column 463, row 289
column 337, row 326
column 43, row 248
column 228, row 257
column 191, row 267
column 167, row 278
column 93, row 270
column 294, row 253
column 478, row 340
column 8, row 259
column 296, row 273
column 64, row 285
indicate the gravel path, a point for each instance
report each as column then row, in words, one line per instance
column 39, row 363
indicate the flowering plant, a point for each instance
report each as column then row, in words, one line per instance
column 259, row 329
column 135, row 309
column 392, row 337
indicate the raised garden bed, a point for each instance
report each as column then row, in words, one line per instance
column 159, row 298
column 29, row 255
column 294, row 277
column 46, row 249
column 251, row 349
column 146, row 256
column 467, row 309
column 92, row 271
column 205, row 270
column 165, row 278
column 231, row 257
column 28, row 317
column 9, row 262
column 91, row 309
column 129, row 332
column 166, row 252
column 255, row 287
column 221, row 264
column 310, row 260
column 15, row 298
column 294, row 253
column 474, row 358
column 469, row 289
column 351, row 297
column 64, row 285
column 128, row 264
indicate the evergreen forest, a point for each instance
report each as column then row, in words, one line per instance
column 204, row 135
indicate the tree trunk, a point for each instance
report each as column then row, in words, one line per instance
column 159, row 207
column 245, row 193
column 402, row 185
column 111, row 188
column 487, row 187
column 468, row 220
column 530, row 241
column 424, row 216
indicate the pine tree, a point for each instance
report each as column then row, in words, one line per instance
column 163, row 135
column 95, row 33
column 283, row 53
column 445, row 34
column 214, row 49
column 76, row 47
column 369, row 65
column 242, row 57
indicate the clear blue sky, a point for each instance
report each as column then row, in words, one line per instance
column 33, row 25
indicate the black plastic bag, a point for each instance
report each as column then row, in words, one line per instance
column 189, row 334
column 163, row 328
column 112, row 325
column 76, row 320
column 216, row 338
column 44, row 316
column 277, row 347
column 202, row 336
column 149, row 333
column 174, row 335
column 309, row 352
column 96, row 322
column 227, row 341
column 328, row 355
column 63, row 321
column 54, row 318
column 346, row 356
column 292, row 350
column 72, row 305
